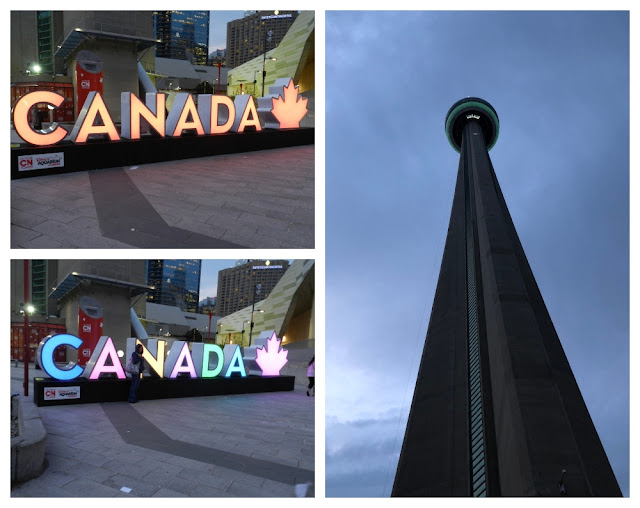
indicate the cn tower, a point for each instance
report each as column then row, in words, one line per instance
column 496, row 409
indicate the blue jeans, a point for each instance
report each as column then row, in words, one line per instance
column 133, row 390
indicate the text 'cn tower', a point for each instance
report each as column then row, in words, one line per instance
column 496, row 409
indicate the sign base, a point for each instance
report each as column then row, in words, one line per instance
column 51, row 392
column 29, row 161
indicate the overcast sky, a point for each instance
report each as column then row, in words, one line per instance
column 218, row 28
column 560, row 84
column 209, row 275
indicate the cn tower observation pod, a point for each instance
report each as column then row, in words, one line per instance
column 472, row 109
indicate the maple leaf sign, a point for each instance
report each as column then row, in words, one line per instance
column 289, row 109
column 271, row 358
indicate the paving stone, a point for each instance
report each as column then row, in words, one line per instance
column 139, row 488
column 164, row 492
column 20, row 235
column 240, row 489
column 233, row 453
column 208, row 491
column 256, row 189
column 38, row 491
column 83, row 487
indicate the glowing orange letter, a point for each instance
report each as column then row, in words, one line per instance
column 133, row 110
column 209, row 111
column 49, row 136
column 178, row 119
column 84, row 127
column 245, row 104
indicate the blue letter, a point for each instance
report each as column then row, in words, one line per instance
column 45, row 356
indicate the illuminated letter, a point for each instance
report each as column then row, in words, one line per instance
column 244, row 108
column 233, row 361
column 97, row 364
column 209, row 111
column 132, row 110
column 178, row 119
column 84, row 127
column 201, row 353
column 49, row 136
column 152, row 352
column 45, row 351
column 179, row 349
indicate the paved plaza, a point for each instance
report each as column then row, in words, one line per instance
column 253, row 445
column 263, row 199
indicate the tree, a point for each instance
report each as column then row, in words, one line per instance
column 194, row 335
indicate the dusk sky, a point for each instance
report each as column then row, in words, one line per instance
column 559, row 82
column 209, row 275
column 218, row 27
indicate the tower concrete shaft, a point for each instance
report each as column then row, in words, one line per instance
column 496, row 409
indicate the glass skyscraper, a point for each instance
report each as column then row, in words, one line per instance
column 176, row 282
column 183, row 35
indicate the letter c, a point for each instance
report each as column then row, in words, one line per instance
column 49, row 136
column 45, row 356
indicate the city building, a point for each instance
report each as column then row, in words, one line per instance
column 207, row 305
column 218, row 56
column 111, row 288
column 174, row 282
column 245, row 284
column 256, row 33
column 182, row 35
column 179, row 76
column 293, row 58
column 75, row 52
column 289, row 310
column 496, row 409
column 165, row 321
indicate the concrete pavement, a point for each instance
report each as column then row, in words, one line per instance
column 263, row 199
column 254, row 445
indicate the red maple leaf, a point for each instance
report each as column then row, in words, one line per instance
column 289, row 109
column 271, row 359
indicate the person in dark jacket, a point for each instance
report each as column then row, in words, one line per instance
column 136, row 359
column 311, row 374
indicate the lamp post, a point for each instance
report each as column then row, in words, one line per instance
column 256, row 291
column 267, row 38
column 25, row 342
column 210, row 314
column 264, row 71
column 219, row 67
column 244, row 323
column 255, row 81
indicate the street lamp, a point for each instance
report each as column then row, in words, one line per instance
column 244, row 323
column 264, row 70
column 256, row 291
column 255, row 81
column 28, row 309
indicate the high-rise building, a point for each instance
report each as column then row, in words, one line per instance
column 496, row 409
column 58, row 289
column 175, row 282
column 183, row 35
column 49, row 51
column 243, row 285
column 255, row 34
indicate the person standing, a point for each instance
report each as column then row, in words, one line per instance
column 136, row 361
column 311, row 374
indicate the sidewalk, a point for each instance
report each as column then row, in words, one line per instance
column 254, row 445
column 263, row 199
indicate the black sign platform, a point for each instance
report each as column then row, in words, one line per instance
column 111, row 154
column 46, row 391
